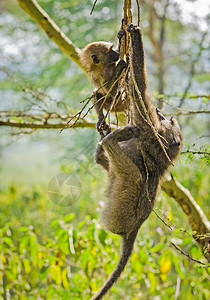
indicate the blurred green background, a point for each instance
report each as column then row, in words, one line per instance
column 53, row 252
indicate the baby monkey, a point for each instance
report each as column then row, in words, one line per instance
column 100, row 60
column 135, row 162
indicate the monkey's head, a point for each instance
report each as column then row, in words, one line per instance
column 171, row 132
column 97, row 55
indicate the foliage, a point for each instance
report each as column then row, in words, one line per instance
column 73, row 260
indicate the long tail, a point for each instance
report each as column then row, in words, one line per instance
column 127, row 247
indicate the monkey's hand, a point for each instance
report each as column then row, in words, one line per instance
column 132, row 28
column 120, row 33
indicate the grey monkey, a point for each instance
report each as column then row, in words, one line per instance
column 135, row 163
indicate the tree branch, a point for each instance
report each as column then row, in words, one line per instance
column 33, row 125
column 189, row 112
column 196, row 217
column 32, row 8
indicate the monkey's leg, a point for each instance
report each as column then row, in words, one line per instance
column 101, row 158
column 120, row 162
column 122, row 134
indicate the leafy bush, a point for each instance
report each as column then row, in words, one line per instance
column 74, row 260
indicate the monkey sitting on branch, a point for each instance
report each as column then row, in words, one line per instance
column 100, row 60
column 136, row 157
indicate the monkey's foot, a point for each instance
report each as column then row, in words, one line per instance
column 102, row 126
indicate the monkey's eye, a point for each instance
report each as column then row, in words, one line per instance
column 95, row 59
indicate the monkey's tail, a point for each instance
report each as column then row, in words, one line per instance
column 127, row 247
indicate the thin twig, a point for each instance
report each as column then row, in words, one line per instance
column 111, row 88
column 162, row 220
column 189, row 112
column 196, row 152
column 78, row 114
column 94, row 4
column 188, row 255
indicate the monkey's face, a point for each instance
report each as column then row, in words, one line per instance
column 105, row 55
column 97, row 55
column 171, row 132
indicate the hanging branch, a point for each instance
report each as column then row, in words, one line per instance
column 138, row 13
column 129, row 11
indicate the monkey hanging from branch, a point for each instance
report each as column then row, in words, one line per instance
column 135, row 157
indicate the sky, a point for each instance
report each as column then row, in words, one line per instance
column 199, row 8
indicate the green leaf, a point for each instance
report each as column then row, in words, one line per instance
column 158, row 247
column 69, row 217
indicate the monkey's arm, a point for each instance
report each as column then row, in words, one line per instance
column 138, row 59
column 113, row 85
column 117, row 72
column 101, row 124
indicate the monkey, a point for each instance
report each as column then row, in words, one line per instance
column 135, row 162
column 100, row 60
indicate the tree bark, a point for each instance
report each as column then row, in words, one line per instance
column 196, row 217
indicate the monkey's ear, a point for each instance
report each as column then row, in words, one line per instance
column 95, row 59
column 161, row 116
column 172, row 120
